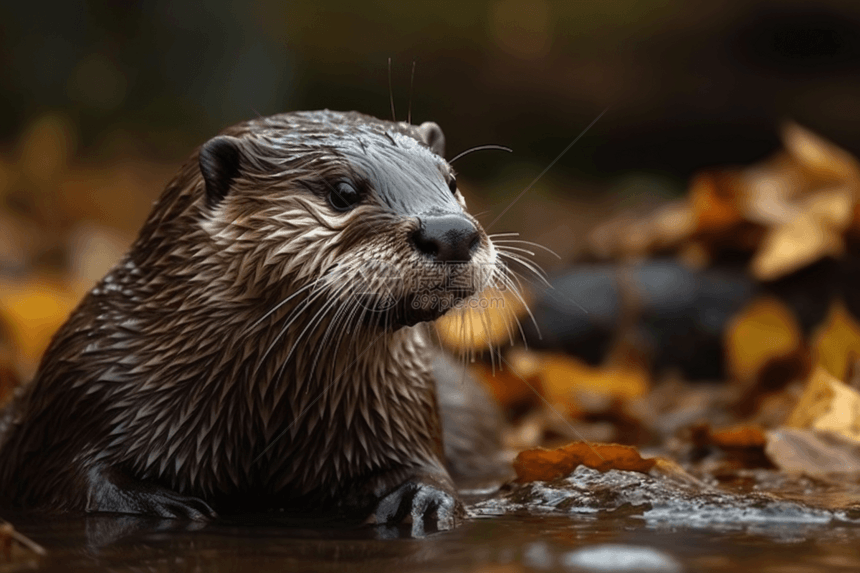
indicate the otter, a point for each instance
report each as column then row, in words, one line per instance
column 262, row 344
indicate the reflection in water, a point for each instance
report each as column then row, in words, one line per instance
column 517, row 542
column 613, row 536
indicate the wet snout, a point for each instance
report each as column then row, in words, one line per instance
column 448, row 238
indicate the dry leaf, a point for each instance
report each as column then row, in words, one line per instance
column 507, row 385
column 766, row 192
column 34, row 311
column 812, row 452
column 827, row 404
column 819, row 157
column 11, row 540
column 490, row 321
column 567, row 381
column 739, row 437
column 815, row 232
column 546, row 465
column 836, row 340
column 711, row 202
column 764, row 331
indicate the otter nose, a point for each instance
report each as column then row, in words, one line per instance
column 446, row 238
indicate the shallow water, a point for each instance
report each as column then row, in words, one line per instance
column 506, row 543
column 735, row 530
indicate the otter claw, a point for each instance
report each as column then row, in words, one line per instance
column 425, row 507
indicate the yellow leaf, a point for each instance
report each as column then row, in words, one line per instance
column 34, row 311
column 564, row 379
column 836, row 340
column 488, row 320
column 46, row 148
column 765, row 330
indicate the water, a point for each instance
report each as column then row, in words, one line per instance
column 617, row 521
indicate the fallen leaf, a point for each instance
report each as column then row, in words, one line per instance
column 672, row 224
column 568, row 381
column 827, row 404
column 11, row 540
column 764, row 331
column 821, row 158
column 483, row 322
column 546, row 465
column 711, row 202
column 816, row 231
column 507, row 386
column 766, row 191
column 836, row 341
column 34, row 310
column 812, row 452
column 739, row 437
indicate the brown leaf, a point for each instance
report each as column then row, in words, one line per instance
column 739, row 437
column 546, row 465
column 507, row 388
column 711, row 202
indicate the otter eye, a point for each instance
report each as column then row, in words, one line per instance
column 343, row 196
column 452, row 185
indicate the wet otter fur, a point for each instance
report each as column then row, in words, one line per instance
column 248, row 353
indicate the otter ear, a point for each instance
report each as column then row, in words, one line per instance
column 219, row 164
column 432, row 135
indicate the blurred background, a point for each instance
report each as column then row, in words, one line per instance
column 104, row 100
column 688, row 85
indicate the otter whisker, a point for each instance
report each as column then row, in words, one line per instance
column 313, row 322
column 507, row 284
column 553, row 292
column 508, row 311
column 530, row 243
column 487, row 339
column 350, row 317
column 282, row 303
column 411, row 84
column 480, row 148
column 502, row 246
column 291, row 318
column 304, row 410
column 335, row 320
column 519, row 297
column 531, row 266
column 391, row 92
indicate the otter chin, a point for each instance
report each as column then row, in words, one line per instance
column 259, row 346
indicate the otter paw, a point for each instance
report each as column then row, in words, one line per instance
column 171, row 505
column 111, row 491
column 425, row 507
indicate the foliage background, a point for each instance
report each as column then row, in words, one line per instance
column 104, row 100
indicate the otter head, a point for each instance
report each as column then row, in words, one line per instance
column 363, row 214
